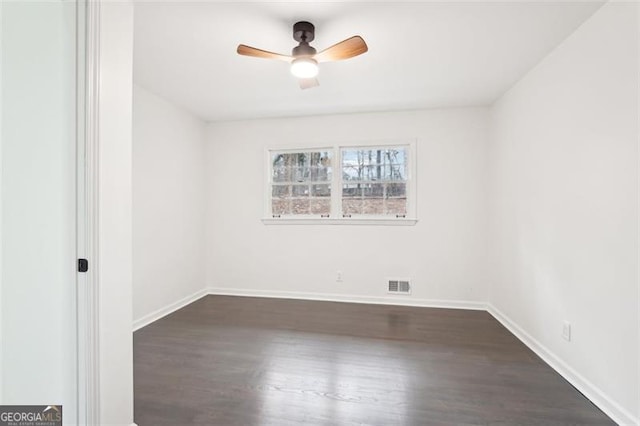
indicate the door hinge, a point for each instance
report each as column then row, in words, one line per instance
column 83, row 265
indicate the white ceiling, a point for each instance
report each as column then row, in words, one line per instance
column 421, row 54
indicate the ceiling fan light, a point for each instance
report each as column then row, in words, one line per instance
column 304, row 68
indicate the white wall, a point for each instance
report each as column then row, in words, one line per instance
column 168, row 205
column 115, row 253
column 38, row 205
column 443, row 253
column 564, row 181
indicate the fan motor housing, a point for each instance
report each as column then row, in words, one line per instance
column 304, row 31
column 303, row 50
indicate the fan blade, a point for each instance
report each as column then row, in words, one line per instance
column 259, row 53
column 346, row 49
column 308, row 83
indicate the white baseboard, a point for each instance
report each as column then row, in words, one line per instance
column 166, row 310
column 400, row 300
column 588, row 389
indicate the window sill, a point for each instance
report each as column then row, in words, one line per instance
column 339, row 221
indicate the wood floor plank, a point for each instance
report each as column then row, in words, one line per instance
column 226, row 360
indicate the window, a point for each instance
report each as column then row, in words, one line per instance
column 301, row 183
column 374, row 181
column 344, row 184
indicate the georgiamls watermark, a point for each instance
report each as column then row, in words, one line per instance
column 30, row 415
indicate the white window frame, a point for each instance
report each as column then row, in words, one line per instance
column 336, row 217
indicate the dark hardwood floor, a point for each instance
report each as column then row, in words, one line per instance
column 253, row 361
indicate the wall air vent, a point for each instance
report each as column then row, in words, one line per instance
column 398, row 286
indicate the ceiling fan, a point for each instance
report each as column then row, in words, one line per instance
column 304, row 58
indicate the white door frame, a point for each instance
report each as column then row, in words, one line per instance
column 105, row 334
column 88, row 89
column 1, row 352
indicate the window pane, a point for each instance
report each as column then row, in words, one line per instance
column 280, row 191
column 397, row 190
column 321, row 190
column 350, row 172
column 277, row 159
column 281, row 173
column 351, row 205
column 375, row 190
column 396, row 206
column 325, row 158
column 397, row 172
column 370, row 172
column 300, row 174
column 294, row 176
column 351, row 190
column 300, row 190
column 320, row 206
column 301, row 166
column 320, row 158
column 295, row 159
column 320, row 174
column 374, row 164
column 300, row 206
column 279, row 206
column 373, row 206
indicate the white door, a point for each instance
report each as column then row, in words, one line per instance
column 38, row 326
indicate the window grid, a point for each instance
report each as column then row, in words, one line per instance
column 301, row 183
column 372, row 182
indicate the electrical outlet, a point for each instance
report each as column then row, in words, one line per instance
column 566, row 331
column 339, row 276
